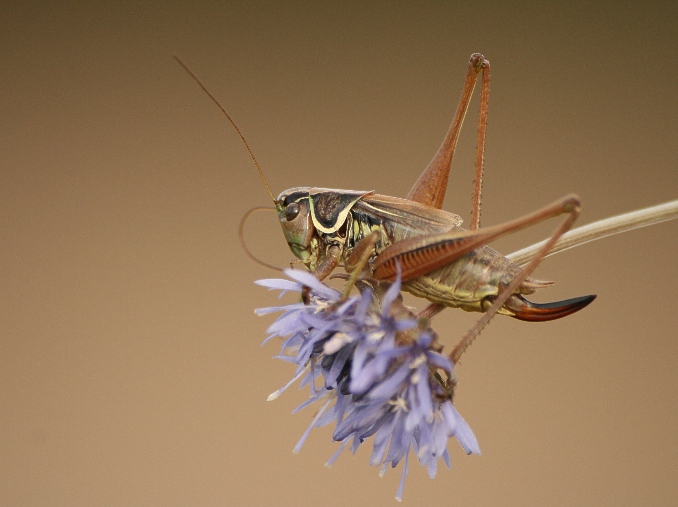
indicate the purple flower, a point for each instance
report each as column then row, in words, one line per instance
column 375, row 369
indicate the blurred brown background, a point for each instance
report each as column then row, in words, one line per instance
column 130, row 365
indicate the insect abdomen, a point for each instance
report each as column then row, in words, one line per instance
column 467, row 282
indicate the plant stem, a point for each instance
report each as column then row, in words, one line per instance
column 601, row 229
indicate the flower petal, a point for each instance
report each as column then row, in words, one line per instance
column 279, row 284
column 308, row 279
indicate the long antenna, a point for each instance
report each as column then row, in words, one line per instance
column 241, row 238
column 247, row 146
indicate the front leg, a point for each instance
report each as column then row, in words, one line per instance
column 323, row 269
column 328, row 264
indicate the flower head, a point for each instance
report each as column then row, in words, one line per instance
column 378, row 372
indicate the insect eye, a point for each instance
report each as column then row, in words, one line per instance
column 291, row 211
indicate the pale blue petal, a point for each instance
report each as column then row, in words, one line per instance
column 308, row 279
column 391, row 295
column 334, row 457
column 279, row 284
column 283, row 308
column 401, row 486
column 390, row 385
column 446, row 459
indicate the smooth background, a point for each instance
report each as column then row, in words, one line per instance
column 130, row 365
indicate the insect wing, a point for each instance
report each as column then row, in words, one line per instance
column 419, row 218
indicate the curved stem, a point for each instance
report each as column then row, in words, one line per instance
column 601, row 229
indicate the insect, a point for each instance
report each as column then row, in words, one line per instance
column 384, row 237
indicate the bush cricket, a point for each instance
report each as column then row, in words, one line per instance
column 381, row 237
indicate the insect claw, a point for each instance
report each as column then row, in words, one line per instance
column 523, row 309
